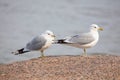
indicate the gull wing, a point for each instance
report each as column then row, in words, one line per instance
column 37, row 43
column 81, row 39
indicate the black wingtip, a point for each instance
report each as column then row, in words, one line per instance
column 20, row 51
column 61, row 41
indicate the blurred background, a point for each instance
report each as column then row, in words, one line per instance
column 21, row 20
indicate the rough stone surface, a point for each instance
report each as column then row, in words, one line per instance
column 95, row 67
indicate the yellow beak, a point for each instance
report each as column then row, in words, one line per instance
column 53, row 36
column 101, row 29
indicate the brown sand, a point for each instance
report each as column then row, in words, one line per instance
column 63, row 68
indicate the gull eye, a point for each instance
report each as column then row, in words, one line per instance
column 48, row 33
column 95, row 27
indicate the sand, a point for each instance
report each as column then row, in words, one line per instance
column 95, row 67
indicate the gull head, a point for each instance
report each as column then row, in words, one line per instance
column 95, row 27
column 49, row 33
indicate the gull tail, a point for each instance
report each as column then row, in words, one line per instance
column 20, row 51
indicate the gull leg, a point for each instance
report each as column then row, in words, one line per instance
column 42, row 54
column 85, row 54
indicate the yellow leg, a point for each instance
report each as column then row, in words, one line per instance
column 85, row 54
column 42, row 54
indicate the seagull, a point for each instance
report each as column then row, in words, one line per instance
column 83, row 40
column 39, row 43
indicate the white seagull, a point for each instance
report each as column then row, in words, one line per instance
column 39, row 43
column 84, row 40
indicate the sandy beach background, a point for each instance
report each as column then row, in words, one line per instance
column 21, row 20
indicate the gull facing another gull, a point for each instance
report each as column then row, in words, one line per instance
column 39, row 43
column 84, row 40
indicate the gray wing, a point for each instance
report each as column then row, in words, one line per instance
column 81, row 39
column 37, row 43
